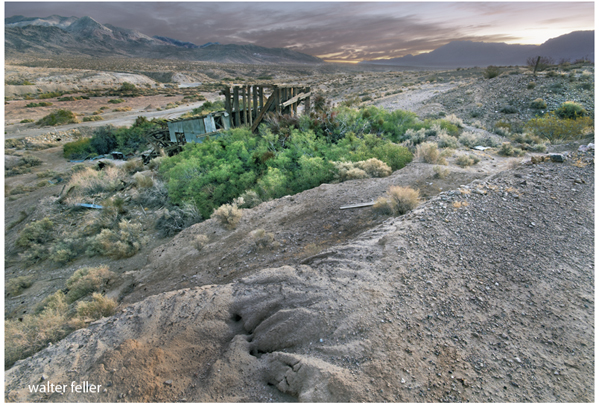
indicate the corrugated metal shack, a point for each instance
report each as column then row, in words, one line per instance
column 182, row 131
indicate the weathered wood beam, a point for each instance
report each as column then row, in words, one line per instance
column 236, row 105
column 295, row 99
column 255, row 100
column 263, row 111
column 244, row 105
column 307, row 101
column 227, row 94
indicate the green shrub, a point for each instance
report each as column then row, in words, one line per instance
column 555, row 130
column 51, row 94
column 446, row 141
column 14, row 286
column 117, row 244
column 250, row 199
column 570, row 110
column 79, row 149
column 538, row 104
column 103, row 141
column 508, row 150
column 491, row 72
column 86, row 281
column 38, row 232
column 42, row 104
column 441, row 172
column 59, row 117
column 531, row 85
column 116, row 101
column 26, row 121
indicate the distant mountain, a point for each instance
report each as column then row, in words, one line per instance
column 571, row 46
column 56, row 35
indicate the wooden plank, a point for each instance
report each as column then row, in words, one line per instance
column 307, row 101
column 236, row 105
column 255, row 100
column 261, row 97
column 277, row 100
column 294, row 106
column 263, row 111
column 295, row 99
column 244, row 114
column 347, row 207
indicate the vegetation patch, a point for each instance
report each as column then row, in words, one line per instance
column 60, row 117
column 556, row 129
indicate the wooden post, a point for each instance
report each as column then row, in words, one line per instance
column 536, row 66
column 277, row 99
column 250, row 103
column 236, row 105
column 307, row 101
column 227, row 93
column 261, row 96
column 255, row 100
column 244, row 115
column 295, row 92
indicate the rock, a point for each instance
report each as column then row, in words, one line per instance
column 557, row 157
column 168, row 382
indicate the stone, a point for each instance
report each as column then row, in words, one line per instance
column 557, row 158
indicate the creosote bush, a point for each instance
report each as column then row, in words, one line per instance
column 570, row 110
column 399, row 201
column 200, row 241
column 59, row 117
column 428, row 152
column 86, row 281
column 441, row 172
column 124, row 242
column 557, row 130
column 228, row 215
column 262, row 239
column 467, row 160
column 14, row 286
column 508, row 150
column 99, row 307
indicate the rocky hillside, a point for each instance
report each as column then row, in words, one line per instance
column 484, row 293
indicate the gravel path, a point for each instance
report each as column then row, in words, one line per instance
column 412, row 100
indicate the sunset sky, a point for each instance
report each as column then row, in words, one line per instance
column 334, row 31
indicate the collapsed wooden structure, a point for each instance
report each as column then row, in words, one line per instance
column 248, row 104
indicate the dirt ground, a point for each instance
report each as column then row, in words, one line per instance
column 484, row 293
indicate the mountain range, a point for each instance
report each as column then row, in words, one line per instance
column 575, row 45
column 72, row 36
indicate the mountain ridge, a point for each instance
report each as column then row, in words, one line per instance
column 57, row 35
column 577, row 44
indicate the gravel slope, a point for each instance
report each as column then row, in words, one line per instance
column 491, row 301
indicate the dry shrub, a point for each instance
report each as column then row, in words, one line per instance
column 382, row 206
column 448, row 141
column 508, row 150
column 348, row 171
column 374, row 167
column 403, row 199
column 228, row 215
column 454, row 120
column 459, row 204
column 99, row 307
column 34, row 332
column 200, row 241
column 14, row 286
column 428, row 152
column 174, row 220
column 38, row 232
column 467, row 160
column 440, row 172
column 89, row 181
column 133, row 166
column 262, row 239
column 155, row 196
column 87, row 280
column 142, row 181
column 117, row 244
column 249, row 199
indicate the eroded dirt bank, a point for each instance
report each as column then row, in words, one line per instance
column 481, row 294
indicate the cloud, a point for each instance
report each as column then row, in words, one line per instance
column 349, row 31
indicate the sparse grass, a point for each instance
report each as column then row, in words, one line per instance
column 116, row 101
column 176, row 219
column 26, row 121
column 133, row 166
column 538, row 104
column 228, row 215
column 89, row 181
column 459, row 204
column 92, row 118
column 122, row 109
column 142, row 181
column 41, row 104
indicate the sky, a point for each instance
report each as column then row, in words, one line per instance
column 334, row 31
